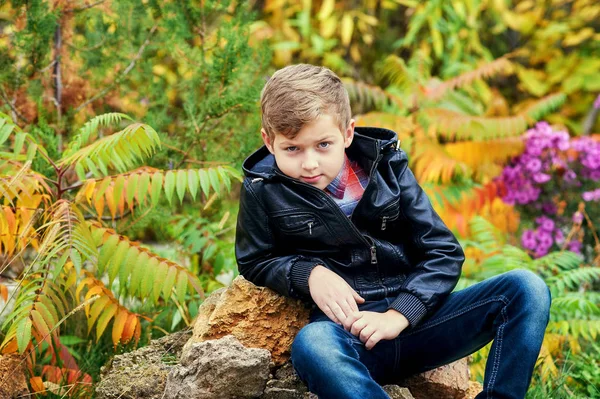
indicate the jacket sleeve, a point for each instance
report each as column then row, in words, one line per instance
column 438, row 254
column 257, row 258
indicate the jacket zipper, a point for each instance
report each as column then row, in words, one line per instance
column 371, row 245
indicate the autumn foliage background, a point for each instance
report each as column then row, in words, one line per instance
column 123, row 125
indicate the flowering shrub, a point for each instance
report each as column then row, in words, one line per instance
column 554, row 183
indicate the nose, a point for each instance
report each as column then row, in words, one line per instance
column 310, row 162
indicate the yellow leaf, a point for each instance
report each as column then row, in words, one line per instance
column 326, row 9
column 347, row 29
column 573, row 39
column 328, row 27
column 104, row 318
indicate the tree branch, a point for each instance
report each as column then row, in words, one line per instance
column 12, row 107
column 125, row 72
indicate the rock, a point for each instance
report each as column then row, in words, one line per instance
column 447, row 382
column 142, row 374
column 257, row 316
column 221, row 368
column 13, row 383
column 474, row 389
column 397, row 392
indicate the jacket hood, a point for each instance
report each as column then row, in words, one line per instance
column 367, row 141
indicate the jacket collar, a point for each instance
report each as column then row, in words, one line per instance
column 366, row 145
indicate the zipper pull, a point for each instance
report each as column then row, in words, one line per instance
column 310, row 228
column 373, row 255
column 384, row 222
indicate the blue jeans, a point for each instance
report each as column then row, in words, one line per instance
column 512, row 309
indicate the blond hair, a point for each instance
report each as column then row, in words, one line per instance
column 299, row 94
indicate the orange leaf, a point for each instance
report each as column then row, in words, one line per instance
column 119, row 325
column 41, row 326
column 4, row 292
column 129, row 328
column 37, row 384
column 110, row 201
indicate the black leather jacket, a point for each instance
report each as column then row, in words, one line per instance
column 394, row 244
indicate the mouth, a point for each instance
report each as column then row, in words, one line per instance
column 311, row 179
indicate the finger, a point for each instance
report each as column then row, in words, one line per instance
column 345, row 308
column 352, row 305
column 373, row 340
column 357, row 298
column 337, row 311
column 351, row 319
column 366, row 333
column 330, row 314
column 357, row 327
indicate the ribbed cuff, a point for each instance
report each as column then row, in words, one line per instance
column 410, row 306
column 299, row 274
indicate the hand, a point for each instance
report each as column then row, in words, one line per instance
column 332, row 294
column 372, row 327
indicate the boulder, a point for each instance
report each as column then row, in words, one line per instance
column 221, row 368
column 142, row 374
column 257, row 316
column 13, row 383
column 449, row 382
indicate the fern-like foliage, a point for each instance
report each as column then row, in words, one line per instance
column 118, row 151
column 90, row 128
column 574, row 312
column 126, row 324
column 141, row 273
column 369, row 97
column 486, row 70
column 147, row 185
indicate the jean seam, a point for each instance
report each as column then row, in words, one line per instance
column 498, row 351
column 425, row 326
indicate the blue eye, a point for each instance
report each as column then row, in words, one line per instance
column 324, row 144
column 291, row 149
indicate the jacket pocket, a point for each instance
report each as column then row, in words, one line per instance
column 307, row 230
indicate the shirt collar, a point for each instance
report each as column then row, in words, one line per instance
column 337, row 187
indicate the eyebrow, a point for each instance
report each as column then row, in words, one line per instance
column 326, row 137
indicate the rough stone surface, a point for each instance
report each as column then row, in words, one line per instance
column 13, row 383
column 141, row 374
column 221, row 368
column 447, row 382
column 397, row 392
column 474, row 389
column 257, row 316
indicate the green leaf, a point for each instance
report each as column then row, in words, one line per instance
column 181, row 286
column 181, row 184
column 138, row 272
column 130, row 256
column 24, row 334
column 144, row 183
column 149, row 277
column 193, row 182
column 161, row 274
column 169, row 185
column 169, row 282
column 106, row 252
column 204, row 181
column 214, row 180
column 132, row 185
column 157, row 181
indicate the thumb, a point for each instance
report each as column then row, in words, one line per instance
column 357, row 298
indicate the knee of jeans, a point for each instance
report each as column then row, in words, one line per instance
column 314, row 341
column 534, row 288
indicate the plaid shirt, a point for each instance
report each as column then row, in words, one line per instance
column 348, row 186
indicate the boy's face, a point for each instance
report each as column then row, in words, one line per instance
column 316, row 155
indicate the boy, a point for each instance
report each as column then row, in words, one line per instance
column 332, row 214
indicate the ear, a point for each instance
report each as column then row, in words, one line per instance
column 349, row 134
column 267, row 140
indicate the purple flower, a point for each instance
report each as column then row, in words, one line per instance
column 597, row 102
column 546, row 224
column 570, row 175
column 528, row 239
column 574, row 246
column 534, row 165
column 577, row 217
column 549, row 208
column 544, row 239
column 541, row 177
column 587, row 196
column 559, row 237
